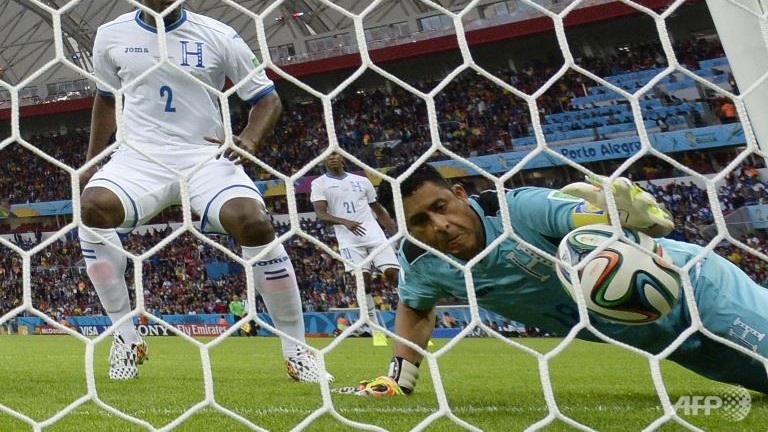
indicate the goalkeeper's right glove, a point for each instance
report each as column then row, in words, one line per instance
column 637, row 208
column 400, row 380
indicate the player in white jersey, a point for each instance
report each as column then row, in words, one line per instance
column 348, row 202
column 170, row 118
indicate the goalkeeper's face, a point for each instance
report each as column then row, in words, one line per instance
column 442, row 218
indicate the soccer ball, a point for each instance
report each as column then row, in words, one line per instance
column 621, row 283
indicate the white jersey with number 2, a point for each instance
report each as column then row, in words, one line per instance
column 167, row 111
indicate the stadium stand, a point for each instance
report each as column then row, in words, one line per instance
column 178, row 282
column 475, row 119
column 177, row 276
column 492, row 122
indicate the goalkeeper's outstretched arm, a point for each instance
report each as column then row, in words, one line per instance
column 636, row 208
column 416, row 326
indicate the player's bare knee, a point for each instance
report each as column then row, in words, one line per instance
column 391, row 275
column 248, row 222
column 101, row 209
column 254, row 230
column 101, row 272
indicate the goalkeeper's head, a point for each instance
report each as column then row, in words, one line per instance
column 423, row 174
column 437, row 213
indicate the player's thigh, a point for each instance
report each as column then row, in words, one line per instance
column 385, row 259
column 143, row 187
column 732, row 305
column 215, row 183
column 354, row 256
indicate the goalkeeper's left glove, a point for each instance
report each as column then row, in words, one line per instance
column 380, row 386
column 637, row 208
column 400, row 380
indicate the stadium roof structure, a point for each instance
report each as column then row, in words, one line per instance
column 28, row 45
column 26, row 26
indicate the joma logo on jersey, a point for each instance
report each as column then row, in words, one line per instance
column 192, row 53
column 136, row 50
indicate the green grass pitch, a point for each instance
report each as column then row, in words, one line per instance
column 489, row 384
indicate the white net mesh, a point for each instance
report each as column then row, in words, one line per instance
column 542, row 147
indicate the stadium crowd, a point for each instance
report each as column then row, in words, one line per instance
column 475, row 119
column 176, row 279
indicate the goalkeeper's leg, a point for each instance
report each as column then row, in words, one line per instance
column 732, row 306
column 713, row 360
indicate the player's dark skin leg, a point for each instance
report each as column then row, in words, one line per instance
column 391, row 275
column 101, row 208
column 247, row 221
column 367, row 282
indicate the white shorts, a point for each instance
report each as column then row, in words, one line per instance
column 146, row 188
column 383, row 260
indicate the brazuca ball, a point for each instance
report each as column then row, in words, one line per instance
column 621, row 283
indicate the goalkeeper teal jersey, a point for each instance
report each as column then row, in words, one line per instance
column 521, row 285
column 512, row 279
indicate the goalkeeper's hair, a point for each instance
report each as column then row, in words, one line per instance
column 423, row 174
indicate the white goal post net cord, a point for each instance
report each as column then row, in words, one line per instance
column 741, row 42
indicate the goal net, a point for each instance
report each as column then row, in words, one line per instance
column 493, row 119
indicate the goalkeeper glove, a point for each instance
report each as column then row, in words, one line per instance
column 400, row 380
column 381, row 386
column 637, row 208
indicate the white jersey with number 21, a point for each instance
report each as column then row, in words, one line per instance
column 350, row 197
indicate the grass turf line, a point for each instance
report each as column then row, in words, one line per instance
column 488, row 383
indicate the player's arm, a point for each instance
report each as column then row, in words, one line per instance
column 385, row 220
column 321, row 210
column 103, row 125
column 103, row 122
column 416, row 326
column 257, row 89
column 261, row 121
column 636, row 208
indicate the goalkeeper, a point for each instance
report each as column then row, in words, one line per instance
column 514, row 281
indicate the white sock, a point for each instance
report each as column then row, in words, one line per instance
column 371, row 309
column 276, row 281
column 106, row 269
